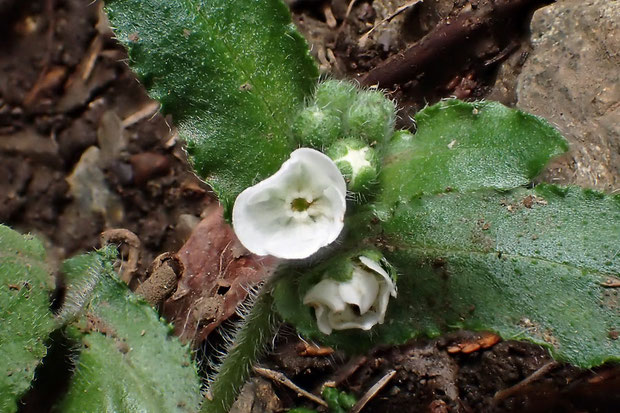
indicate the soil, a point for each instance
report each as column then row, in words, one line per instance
column 83, row 150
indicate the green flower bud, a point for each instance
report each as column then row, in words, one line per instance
column 317, row 128
column 357, row 162
column 371, row 117
column 336, row 95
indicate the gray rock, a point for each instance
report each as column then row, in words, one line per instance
column 89, row 188
column 572, row 78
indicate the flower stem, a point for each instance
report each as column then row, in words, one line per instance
column 250, row 341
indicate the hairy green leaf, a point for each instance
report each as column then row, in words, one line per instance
column 537, row 265
column 129, row 361
column 25, row 317
column 232, row 73
column 467, row 146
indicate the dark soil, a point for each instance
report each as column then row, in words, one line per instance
column 83, row 150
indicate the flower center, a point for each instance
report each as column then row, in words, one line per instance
column 300, row 204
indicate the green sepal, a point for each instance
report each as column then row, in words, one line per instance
column 128, row 359
column 337, row 401
column 25, row 317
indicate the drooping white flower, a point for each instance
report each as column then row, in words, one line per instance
column 359, row 302
column 294, row 212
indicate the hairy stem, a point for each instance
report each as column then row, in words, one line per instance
column 250, row 341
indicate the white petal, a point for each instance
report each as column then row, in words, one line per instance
column 325, row 299
column 322, row 164
column 348, row 319
column 263, row 218
column 325, row 293
column 374, row 265
column 322, row 320
column 361, row 290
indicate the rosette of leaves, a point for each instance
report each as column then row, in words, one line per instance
column 452, row 208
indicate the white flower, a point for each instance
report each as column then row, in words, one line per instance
column 294, row 212
column 360, row 302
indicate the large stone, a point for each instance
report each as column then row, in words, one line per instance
column 572, row 78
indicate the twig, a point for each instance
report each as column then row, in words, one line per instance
column 281, row 378
column 148, row 110
column 611, row 283
column 349, row 8
column 329, row 15
column 132, row 241
column 49, row 37
column 372, row 392
column 398, row 11
column 348, row 369
column 442, row 40
column 510, row 391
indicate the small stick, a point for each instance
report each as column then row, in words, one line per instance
column 132, row 241
column 372, row 392
column 348, row 369
column 349, row 8
column 510, row 391
column 148, row 110
column 279, row 377
column 441, row 41
column 398, row 11
column 329, row 16
column 611, row 283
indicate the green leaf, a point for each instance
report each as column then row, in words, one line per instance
column 532, row 265
column 467, row 146
column 129, row 361
column 232, row 73
column 25, row 317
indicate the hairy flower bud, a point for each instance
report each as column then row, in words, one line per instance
column 316, row 127
column 371, row 117
column 336, row 95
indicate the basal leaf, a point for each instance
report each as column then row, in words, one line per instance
column 129, row 361
column 467, row 146
column 25, row 317
column 232, row 73
column 537, row 265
